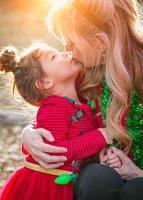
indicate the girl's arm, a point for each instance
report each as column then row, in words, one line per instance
column 54, row 118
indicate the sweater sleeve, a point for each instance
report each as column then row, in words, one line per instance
column 54, row 118
column 83, row 146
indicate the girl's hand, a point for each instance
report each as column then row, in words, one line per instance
column 113, row 160
column 128, row 169
column 103, row 156
column 109, row 158
column 32, row 139
column 108, row 138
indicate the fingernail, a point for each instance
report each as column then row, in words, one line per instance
column 65, row 150
column 51, row 139
column 62, row 163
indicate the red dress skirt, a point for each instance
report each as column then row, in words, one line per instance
column 27, row 184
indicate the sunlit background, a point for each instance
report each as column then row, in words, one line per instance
column 24, row 21
column 21, row 22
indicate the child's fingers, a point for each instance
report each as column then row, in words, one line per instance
column 105, row 158
column 109, row 152
column 102, row 153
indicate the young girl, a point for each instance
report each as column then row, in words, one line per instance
column 46, row 78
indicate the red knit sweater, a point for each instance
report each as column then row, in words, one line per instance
column 55, row 115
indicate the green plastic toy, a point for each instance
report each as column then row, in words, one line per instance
column 65, row 178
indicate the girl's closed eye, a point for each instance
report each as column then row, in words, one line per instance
column 53, row 56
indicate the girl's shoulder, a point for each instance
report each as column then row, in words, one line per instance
column 53, row 106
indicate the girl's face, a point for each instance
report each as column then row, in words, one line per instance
column 70, row 47
column 58, row 66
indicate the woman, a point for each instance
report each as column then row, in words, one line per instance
column 102, row 35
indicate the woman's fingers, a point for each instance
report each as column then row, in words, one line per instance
column 45, row 134
column 114, row 160
column 51, row 158
column 116, row 165
column 47, row 165
column 112, row 156
column 47, row 148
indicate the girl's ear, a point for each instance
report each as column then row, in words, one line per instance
column 44, row 84
column 39, row 84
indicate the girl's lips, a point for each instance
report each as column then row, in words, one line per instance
column 78, row 62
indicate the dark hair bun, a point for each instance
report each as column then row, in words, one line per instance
column 8, row 59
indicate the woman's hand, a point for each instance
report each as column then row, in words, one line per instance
column 32, row 140
column 128, row 169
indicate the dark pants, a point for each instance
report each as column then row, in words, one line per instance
column 99, row 182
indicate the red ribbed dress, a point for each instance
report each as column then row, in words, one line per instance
column 55, row 114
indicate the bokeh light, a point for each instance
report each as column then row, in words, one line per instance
column 22, row 22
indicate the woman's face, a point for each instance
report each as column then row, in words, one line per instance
column 85, row 52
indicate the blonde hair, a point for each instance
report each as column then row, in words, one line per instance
column 114, row 52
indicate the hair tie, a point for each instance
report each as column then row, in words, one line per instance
column 87, row 14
